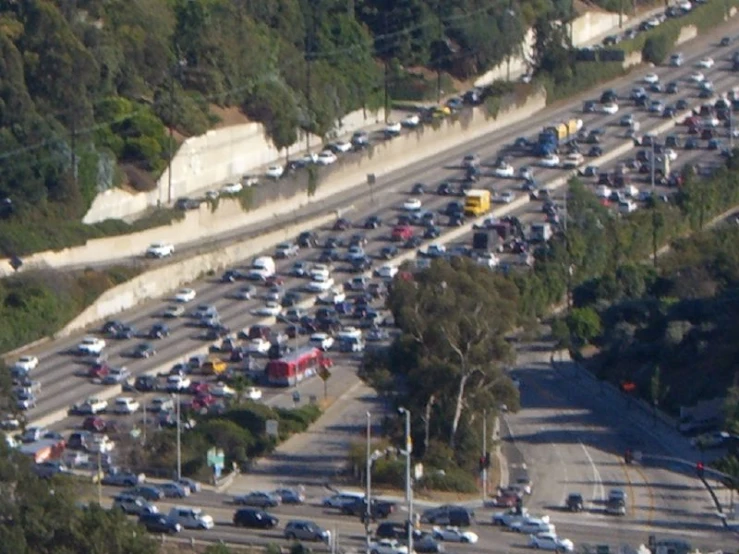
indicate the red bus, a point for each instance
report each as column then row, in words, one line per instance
column 290, row 370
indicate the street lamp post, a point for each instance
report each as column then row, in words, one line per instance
column 408, row 481
column 368, row 499
column 179, row 439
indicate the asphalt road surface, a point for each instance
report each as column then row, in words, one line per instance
column 57, row 371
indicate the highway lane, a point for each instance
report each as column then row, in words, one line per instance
column 573, row 440
column 54, row 370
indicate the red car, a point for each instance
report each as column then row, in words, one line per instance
column 199, row 388
column 402, row 233
column 273, row 280
column 94, row 424
column 98, row 371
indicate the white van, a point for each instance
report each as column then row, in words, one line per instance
column 261, row 268
column 191, row 518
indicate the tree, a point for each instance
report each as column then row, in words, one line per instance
column 656, row 48
column 584, row 325
column 455, row 315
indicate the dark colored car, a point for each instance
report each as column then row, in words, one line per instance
column 575, row 502
column 342, row 224
column 255, row 519
column 392, row 530
column 448, row 514
column 147, row 492
column 158, row 331
column 378, row 508
column 159, row 523
column 444, row 189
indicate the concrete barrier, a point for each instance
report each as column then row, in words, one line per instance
column 158, row 282
column 687, row 33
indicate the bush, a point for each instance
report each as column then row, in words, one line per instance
column 451, row 480
column 656, row 48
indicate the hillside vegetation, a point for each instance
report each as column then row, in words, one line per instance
column 90, row 88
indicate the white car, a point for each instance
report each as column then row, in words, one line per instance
column 489, row 260
column 232, row 188
column 342, row 146
column 505, row 170
column 185, row 295
column 275, row 171
column 671, row 154
column 697, row 77
column 602, row 191
column 320, row 272
column 91, row 346
column 387, row 546
column 320, row 286
column 258, row 346
column 705, row 63
column 411, row 121
column 651, row 78
column 92, row 406
column 532, row 526
column 271, row 308
column 505, row 197
column 26, row 363
column 322, row 340
column 221, row 390
column 386, row 271
column 454, row 534
column 159, row 250
column 173, row 311
column 125, row 405
column 552, row 160
column 178, row 383
column 334, row 296
column 573, row 161
column 326, row 158
column 412, row 205
column 550, row 541
column 610, row 109
column 349, row 333
column 253, row 393
column 25, row 400
column 393, row 128
column 102, row 444
column 711, row 121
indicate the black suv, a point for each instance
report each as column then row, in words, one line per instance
column 575, row 502
column 456, row 516
column 378, row 508
column 256, row 519
column 392, row 530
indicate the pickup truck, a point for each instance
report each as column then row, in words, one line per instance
column 379, row 509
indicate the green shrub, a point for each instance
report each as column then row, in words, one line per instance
column 656, row 48
column 451, row 480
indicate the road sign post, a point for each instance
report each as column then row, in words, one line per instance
column 325, row 375
column 215, row 459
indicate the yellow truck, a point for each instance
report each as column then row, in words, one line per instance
column 214, row 366
column 477, row 202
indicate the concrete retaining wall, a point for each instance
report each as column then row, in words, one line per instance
column 381, row 159
column 217, row 157
column 686, row 33
column 161, row 281
column 592, row 25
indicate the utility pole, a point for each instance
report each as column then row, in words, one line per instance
column 143, row 405
column 438, row 60
column 309, row 45
column 74, row 145
column 170, row 142
column 386, row 67
column 368, row 494
column 731, row 129
column 485, row 455
column 408, row 480
column 100, row 477
column 621, row 15
column 179, row 439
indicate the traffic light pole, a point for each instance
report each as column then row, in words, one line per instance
column 484, row 454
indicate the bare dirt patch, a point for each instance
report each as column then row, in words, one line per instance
column 229, row 116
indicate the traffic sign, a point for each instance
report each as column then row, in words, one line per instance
column 215, row 458
column 272, row 427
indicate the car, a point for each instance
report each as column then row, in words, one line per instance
column 524, row 482
column 589, row 106
column 511, row 516
column 159, row 523
column 289, row 496
column 232, row 188
column 594, row 152
column 26, row 363
column 386, row 272
column 160, row 250
column 672, row 88
column 147, row 492
column 387, row 546
column 550, row 541
column 532, row 525
column 611, row 108
column 705, row 63
column 327, row 157
column 444, row 189
column 91, row 346
column 411, row 121
column 91, row 406
column 286, row 250
column 258, row 499
column 454, row 534
column 627, row 120
column 172, row 312
column 448, row 514
column 392, row 129
column 191, row 518
column 651, row 78
column 254, row 519
column 134, row 505
column 574, row 502
column 116, row 477
column 504, row 170
column 717, row 439
column 185, row 295
column 125, row 405
column 158, row 331
column 340, row 147
column 340, row 499
column 174, row 490
column 275, row 171
column 190, row 484
column 615, row 506
column 270, row 309
column 143, row 350
column 178, row 383
column 412, row 205
column 379, row 509
column 360, row 139
column 471, row 160
column 552, row 160
column 697, row 77
column 725, row 41
column 304, row 530
column 258, row 345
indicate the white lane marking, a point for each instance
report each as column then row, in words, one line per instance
column 599, row 491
